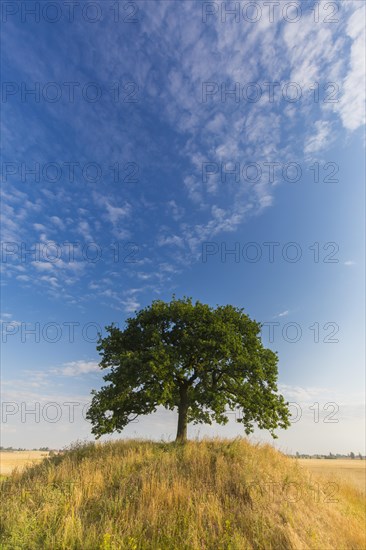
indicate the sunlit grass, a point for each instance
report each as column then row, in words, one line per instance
column 213, row 494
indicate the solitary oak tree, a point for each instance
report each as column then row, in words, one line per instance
column 190, row 356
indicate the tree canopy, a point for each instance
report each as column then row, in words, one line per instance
column 188, row 356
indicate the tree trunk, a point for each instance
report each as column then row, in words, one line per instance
column 182, row 415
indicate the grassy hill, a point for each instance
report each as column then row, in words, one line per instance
column 215, row 494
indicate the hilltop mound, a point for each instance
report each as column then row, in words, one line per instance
column 214, row 494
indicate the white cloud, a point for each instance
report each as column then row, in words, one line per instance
column 320, row 139
column 24, row 278
column 193, row 187
column 130, row 304
column 43, row 266
column 57, row 222
column 115, row 213
column 176, row 211
column 143, row 276
column 172, row 240
column 39, row 227
column 50, row 280
column 77, row 368
column 84, row 229
column 352, row 103
column 307, row 64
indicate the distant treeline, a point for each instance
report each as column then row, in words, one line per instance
column 351, row 455
column 45, row 449
column 331, row 456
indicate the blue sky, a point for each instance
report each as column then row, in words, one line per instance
column 116, row 173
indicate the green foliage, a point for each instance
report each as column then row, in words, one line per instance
column 190, row 356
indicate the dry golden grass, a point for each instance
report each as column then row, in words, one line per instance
column 343, row 470
column 19, row 459
column 213, row 494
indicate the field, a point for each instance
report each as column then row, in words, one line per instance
column 351, row 471
column 19, row 459
column 212, row 494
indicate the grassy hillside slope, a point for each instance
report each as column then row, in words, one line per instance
column 215, row 494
